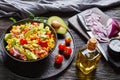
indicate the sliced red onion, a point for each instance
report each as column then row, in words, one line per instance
column 101, row 37
column 100, row 31
column 16, row 53
column 95, row 16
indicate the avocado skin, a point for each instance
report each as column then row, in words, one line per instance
column 62, row 29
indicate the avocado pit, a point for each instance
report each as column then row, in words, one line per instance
column 55, row 24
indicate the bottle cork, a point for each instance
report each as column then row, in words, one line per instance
column 91, row 45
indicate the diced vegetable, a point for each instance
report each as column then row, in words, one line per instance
column 7, row 36
column 13, row 42
column 30, row 55
column 20, row 49
column 29, row 33
column 16, row 53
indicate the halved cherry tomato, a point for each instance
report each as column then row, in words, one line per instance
column 23, row 41
column 61, row 46
column 67, row 51
column 58, row 59
column 42, row 43
column 67, row 40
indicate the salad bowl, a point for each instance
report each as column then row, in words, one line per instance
column 28, row 64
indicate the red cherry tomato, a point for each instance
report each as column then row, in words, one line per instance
column 58, row 59
column 67, row 51
column 61, row 46
column 68, row 40
column 42, row 43
column 23, row 41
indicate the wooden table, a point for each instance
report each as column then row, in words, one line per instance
column 104, row 70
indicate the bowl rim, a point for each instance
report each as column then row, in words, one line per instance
column 112, row 51
column 24, row 21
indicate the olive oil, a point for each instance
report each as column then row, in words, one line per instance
column 88, row 57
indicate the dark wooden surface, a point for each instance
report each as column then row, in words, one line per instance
column 104, row 70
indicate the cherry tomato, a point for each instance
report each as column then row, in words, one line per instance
column 68, row 40
column 67, row 51
column 23, row 41
column 42, row 43
column 61, row 46
column 58, row 59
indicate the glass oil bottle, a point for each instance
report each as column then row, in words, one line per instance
column 88, row 57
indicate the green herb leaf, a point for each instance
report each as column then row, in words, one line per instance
column 13, row 19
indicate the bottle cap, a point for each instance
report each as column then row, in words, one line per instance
column 92, row 43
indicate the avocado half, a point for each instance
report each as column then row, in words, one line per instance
column 62, row 29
